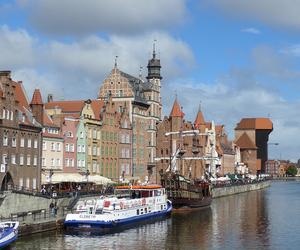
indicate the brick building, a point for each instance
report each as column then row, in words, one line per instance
column 21, row 136
column 142, row 100
column 252, row 135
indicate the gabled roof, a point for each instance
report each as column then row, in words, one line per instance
column 199, row 119
column 176, row 110
column 97, row 105
column 66, row 106
column 21, row 96
column 36, row 98
column 244, row 142
column 255, row 123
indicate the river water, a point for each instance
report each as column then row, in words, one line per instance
column 265, row 219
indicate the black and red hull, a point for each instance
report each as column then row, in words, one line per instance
column 191, row 203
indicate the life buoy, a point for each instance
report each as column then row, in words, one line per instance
column 121, row 205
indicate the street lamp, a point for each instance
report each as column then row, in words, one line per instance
column 275, row 165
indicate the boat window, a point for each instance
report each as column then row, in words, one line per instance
column 161, row 207
column 137, row 211
column 145, row 210
column 142, row 210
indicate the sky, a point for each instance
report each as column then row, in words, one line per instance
column 233, row 58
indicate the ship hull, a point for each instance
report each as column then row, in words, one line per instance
column 186, row 203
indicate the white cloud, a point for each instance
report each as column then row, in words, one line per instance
column 293, row 50
column 251, row 31
column 75, row 17
column 277, row 13
column 17, row 48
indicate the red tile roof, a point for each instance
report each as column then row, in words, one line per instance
column 244, row 142
column 36, row 98
column 97, row 106
column 21, row 97
column 66, row 106
column 255, row 123
column 176, row 110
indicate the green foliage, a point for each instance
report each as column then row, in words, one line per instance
column 291, row 171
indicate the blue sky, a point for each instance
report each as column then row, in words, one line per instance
column 238, row 58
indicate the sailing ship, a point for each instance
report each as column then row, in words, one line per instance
column 129, row 205
column 185, row 191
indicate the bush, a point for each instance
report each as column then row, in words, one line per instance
column 291, row 171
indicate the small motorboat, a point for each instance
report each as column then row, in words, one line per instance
column 8, row 232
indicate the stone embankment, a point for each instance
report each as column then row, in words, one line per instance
column 236, row 189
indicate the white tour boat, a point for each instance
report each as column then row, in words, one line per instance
column 130, row 204
column 8, row 232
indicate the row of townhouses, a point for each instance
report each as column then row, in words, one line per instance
column 119, row 135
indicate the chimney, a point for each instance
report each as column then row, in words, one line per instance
column 50, row 98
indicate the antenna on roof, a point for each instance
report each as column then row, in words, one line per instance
column 154, row 53
column 116, row 62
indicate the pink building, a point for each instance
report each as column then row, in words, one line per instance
column 69, row 129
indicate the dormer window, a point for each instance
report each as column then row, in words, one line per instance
column 23, row 118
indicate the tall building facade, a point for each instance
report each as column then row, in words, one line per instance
column 142, row 100
column 21, row 136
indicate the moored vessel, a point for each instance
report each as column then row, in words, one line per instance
column 8, row 232
column 130, row 204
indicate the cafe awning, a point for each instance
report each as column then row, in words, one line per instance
column 75, row 178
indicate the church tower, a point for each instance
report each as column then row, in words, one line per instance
column 153, row 96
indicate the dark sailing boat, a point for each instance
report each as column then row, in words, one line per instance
column 185, row 192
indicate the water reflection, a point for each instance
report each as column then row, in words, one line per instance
column 266, row 219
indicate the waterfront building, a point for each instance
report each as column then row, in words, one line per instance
column 142, row 99
column 252, row 135
column 272, row 167
column 21, row 136
column 53, row 143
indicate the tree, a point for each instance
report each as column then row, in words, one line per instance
column 291, row 170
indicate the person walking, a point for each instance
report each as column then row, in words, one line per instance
column 51, row 206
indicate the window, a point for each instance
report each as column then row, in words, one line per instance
column 22, row 142
column 34, row 183
column 21, row 183
column 58, row 146
column 58, row 162
column 29, row 143
column 78, row 148
column 94, row 134
column 3, row 113
column 83, row 163
column 27, row 182
column 52, row 146
column 78, row 163
column 5, row 140
column 72, row 147
column 28, row 160
column 83, row 149
column 21, row 160
column 70, row 134
column 35, row 143
column 81, row 135
column 7, row 114
column 4, row 159
column 13, row 159
column 67, row 162
column 44, row 145
column 67, row 147
column 35, row 160
column 94, row 150
column 11, row 115
column 14, row 142
column 71, row 162
column 43, row 162
column 52, row 162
